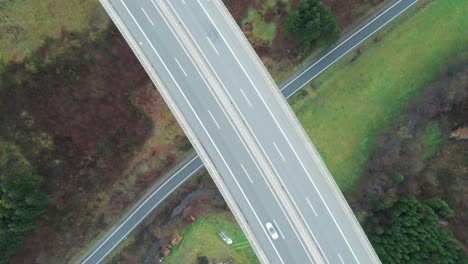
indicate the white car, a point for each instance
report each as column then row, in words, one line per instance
column 225, row 237
column 271, row 229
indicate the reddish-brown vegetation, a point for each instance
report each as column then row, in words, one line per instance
column 82, row 111
column 350, row 12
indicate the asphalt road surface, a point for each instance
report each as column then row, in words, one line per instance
column 194, row 100
column 301, row 174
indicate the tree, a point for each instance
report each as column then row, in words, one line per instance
column 310, row 21
column 441, row 208
column 20, row 201
column 409, row 233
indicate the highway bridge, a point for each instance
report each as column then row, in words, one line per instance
column 243, row 129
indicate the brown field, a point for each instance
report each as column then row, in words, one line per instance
column 84, row 113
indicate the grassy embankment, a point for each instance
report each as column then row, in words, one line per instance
column 362, row 94
column 24, row 25
column 432, row 139
column 202, row 239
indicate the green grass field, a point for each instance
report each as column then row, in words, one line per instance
column 25, row 24
column 431, row 139
column 261, row 29
column 355, row 101
column 202, row 239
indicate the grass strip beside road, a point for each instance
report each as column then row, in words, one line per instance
column 355, row 100
column 432, row 139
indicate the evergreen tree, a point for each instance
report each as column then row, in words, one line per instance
column 441, row 208
column 409, row 232
column 310, row 21
column 20, row 201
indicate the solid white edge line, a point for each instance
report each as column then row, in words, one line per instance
column 279, row 229
column 310, row 204
column 246, row 173
column 341, row 44
column 151, row 21
column 180, row 66
column 214, row 120
column 212, row 45
column 277, row 149
column 246, row 98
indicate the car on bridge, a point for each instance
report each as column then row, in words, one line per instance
column 271, row 229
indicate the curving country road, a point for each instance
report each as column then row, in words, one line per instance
column 176, row 177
